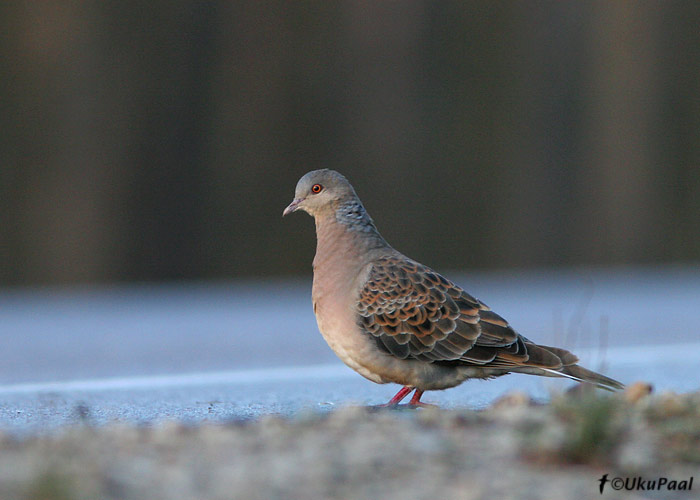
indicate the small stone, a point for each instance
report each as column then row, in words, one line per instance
column 637, row 391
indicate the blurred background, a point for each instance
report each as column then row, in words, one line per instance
column 545, row 155
column 160, row 141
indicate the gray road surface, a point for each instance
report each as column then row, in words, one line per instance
column 238, row 351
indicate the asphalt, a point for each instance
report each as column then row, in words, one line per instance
column 238, row 351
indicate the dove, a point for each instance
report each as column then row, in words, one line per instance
column 395, row 320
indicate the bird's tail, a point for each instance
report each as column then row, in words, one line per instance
column 582, row 374
column 567, row 368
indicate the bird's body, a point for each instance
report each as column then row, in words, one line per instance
column 392, row 319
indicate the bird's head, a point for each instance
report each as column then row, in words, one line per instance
column 319, row 192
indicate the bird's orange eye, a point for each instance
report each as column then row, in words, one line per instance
column 316, row 188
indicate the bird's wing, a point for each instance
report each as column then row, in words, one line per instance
column 414, row 312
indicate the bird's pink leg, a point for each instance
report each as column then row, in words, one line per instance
column 415, row 400
column 405, row 391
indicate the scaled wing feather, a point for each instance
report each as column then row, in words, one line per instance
column 415, row 313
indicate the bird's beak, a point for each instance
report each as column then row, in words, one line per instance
column 292, row 206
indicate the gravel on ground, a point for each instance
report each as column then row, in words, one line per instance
column 516, row 449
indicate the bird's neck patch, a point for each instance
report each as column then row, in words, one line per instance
column 352, row 214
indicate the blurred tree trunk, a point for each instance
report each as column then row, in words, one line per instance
column 619, row 206
column 64, row 176
column 164, row 56
column 679, row 131
column 537, row 131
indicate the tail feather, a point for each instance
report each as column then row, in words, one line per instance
column 586, row 375
column 567, row 358
column 541, row 364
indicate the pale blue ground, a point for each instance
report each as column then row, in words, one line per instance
column 239, row 351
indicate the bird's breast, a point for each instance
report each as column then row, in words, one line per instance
column 339, row 275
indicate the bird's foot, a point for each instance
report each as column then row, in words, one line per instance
column 414, row 403
column 393, row 402
column 401, row 407
column 420, row 404
column 405, row 406
column 417, row 403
